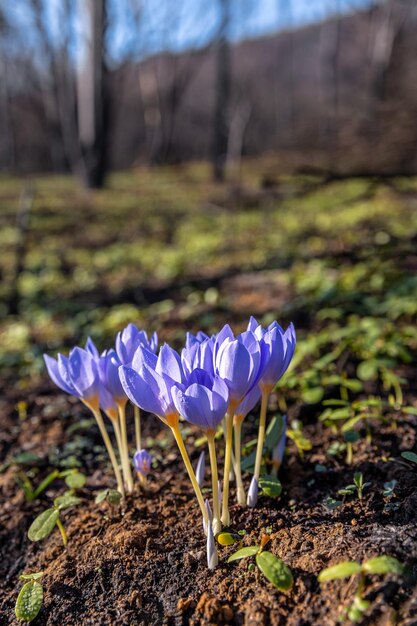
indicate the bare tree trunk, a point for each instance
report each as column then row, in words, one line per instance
column 221, row 121
column 8, row 154
column 92, row 97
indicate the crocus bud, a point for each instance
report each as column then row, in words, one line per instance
column 212, row 556
column 210, row 517
column 252, row 493
column 200, row 469
column 142, row 461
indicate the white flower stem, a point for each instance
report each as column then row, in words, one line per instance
column 241, row 495
column 124, row 452
column 217, row 526
column 227, row 464
column 261, row 433
column 138, row 437
column 110, row 450
column 180, row 443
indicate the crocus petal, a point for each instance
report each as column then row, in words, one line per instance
column 142, row 389
column 54, row 373
column 143, row 356
column 169, row 363
column 90, row 346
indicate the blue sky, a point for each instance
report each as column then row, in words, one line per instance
column 180, row 24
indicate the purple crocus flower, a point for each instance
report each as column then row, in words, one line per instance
column 150, row 380
column 108, row 368
column 203, row 402
column 248, row 403
column 198, row 355
column 142, row 461
column 128, row 341
column 278, row 346
column 239, row 362
column 77, row 375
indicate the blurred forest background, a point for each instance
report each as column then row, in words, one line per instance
column 182, row 164
column 97, row 85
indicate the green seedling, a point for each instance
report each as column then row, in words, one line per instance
column 43, row 525
column 73, row 479
column 295, row 433
column 29, row 600
column 111, row 496
column 380, row 565
column 271, row 567
column 358, row 485
column 273, row 435
column 389, row 494
column 343, row 417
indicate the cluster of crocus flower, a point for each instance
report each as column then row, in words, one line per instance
column 94, row 379
column 214, row 380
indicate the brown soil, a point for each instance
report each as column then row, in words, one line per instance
column 145, row 562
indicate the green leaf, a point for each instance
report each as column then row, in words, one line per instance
column 243, row 553
column 273, row 435
column 35, row 576
column 313, row 395
column 383, row 565
column 43, row 525
column 66, row 501
column 76, row 480
column 409, row 456
column 367, row 370
column 112, row 496
column 29, row 601
column 341, row 570
column 270, row 486
column 275, row 570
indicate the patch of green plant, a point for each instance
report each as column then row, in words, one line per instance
column 380, row 565
column 275, row 570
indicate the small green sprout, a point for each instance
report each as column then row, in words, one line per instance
column 73, row 479
column 389, row 494
column 29, row 600
column 271, row 567
column 379, row 565
column 43, row 524
column 295, row 433
column 112, row 496
column 357, row 485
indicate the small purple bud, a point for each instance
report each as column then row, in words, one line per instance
column 252, row 493
column 142, row 461
column 200, row 469
column 210, row 516
column 212, row 556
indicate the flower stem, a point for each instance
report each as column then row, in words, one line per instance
column 62, row 531
column 138, row 437
column 110, row 450
column 180, row 443
column 217, row 525
column 127, row 472
column 261, row 433
column 227, row 463
column 237, row 424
